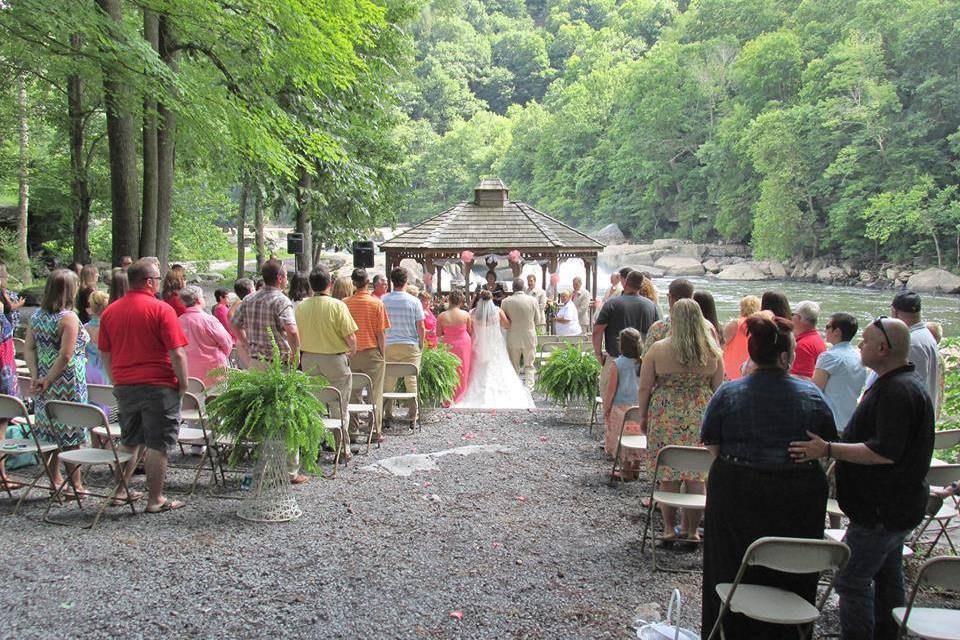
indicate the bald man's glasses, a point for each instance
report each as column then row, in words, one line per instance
column 878, row 323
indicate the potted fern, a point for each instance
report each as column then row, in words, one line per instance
column 570, row 378
column 273, row 411
column 438, row 379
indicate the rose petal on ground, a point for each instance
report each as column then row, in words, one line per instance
column 457, row 614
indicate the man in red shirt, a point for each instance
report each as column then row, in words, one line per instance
column 142, row 347
column 809, row 343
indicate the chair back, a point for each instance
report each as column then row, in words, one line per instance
column 943, row 475
column 693, row 459
column 19, row 347
column 942, row 571
column 632, row 415
column 946, row 439
column 190, row 402
column 547, row 339
column 78, row 414
column 25, row 384
column 12, row 407
column 361, row 382
column 330, row 396
column 101, row 394
column 550, row 347
column 797, row 555
column 401, row 369
column 196, row 385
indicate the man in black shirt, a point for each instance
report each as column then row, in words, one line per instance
column 881, row 466
column 629, row 309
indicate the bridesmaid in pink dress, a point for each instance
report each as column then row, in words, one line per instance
column 455, row 328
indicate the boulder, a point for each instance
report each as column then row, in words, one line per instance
column 935, row 281
column 891, row 273
column 32, row 296
column 813, row 267
column 680, row 266
column 653, row 272
column 866, row 277
column 743, row 271
column 712, row 266
column 641, row 257
column 668, row 243
column 831, row 274
column 697, row 251
column 332, row 263
column 777, row 269
column 610, row 234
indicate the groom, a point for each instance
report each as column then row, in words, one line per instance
column 522, row 311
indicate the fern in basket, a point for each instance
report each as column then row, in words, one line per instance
column 569, row 376
column 276, row 403
column 438, row 377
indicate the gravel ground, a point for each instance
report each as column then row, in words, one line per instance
column 525, row 541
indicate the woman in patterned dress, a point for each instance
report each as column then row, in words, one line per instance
column 9, row 321
column 55, row 354
column 677, row 379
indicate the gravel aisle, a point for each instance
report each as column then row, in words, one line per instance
column 526, row 543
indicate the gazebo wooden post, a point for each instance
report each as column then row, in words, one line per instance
column 387, row 261
column 439, row 281
column 427, row 268
column 593, row 309
column 543, row 280
column 467, row 268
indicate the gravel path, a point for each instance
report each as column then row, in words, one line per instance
column 522, row 538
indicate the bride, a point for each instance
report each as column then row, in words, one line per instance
column 494, row 384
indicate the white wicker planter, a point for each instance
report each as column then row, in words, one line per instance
column 271, row 498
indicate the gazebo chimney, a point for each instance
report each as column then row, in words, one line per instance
column 491, row 192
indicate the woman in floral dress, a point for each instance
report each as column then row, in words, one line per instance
column 677, row 379
column 55, row 354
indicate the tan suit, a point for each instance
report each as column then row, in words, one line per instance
column 523, row 313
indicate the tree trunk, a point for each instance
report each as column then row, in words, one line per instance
column 166, row 150
column 148, row 221
column 936, row 245
column 258, row 226
column 241, row 224
column 79, row 185
column 23, row 257
column 304, row 261
column 124, row 190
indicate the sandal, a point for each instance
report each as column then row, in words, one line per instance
column 133, row 495
column 167, row 505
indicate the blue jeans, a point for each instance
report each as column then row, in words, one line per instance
column 872, row 583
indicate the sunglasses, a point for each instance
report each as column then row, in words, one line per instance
column 878, row 323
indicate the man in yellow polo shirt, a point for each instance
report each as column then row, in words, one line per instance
column 328, row 337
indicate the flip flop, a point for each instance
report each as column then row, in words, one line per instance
column 119, row 502
column 167, row 505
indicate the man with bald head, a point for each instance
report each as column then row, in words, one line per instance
column 881, row 466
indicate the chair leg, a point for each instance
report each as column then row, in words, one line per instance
column 56, row 496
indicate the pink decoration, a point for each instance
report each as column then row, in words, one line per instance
column 466, row 256
column 427, row 279
column 514, row 255
column 554, row 279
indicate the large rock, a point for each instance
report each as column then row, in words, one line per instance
column 653, row 272
column 668, row 243
column 935, row 281
column 712, row 266
column 697, row 251
column 610, row 234
column 641, row 257
column 831, row 274
column 777, row 269
column 744, row 271
column 680, row 266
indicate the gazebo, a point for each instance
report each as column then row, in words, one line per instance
column 493, row 225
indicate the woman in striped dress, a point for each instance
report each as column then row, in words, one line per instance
column 55, row 353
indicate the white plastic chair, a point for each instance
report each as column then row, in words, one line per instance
column 334, row 421
column 13, row 409
column 690, row 459
column 774, row 605
column 628, row 440
column 395, row 371
column 930, row 622
column 361, row 386
column 76, row 414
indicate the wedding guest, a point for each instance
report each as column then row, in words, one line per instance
column 679, row 289
column 208, row 343
column 175, row 280
column 89, row 278
column 76, row 267
column 628, row 309
column 923, row 348
column 96, row 372
column 9, row 321
column 404, row 337
column 379, row 286
column 936, row 330
column 221, row 311
column 299, row 288
column 455, row 328
column 328, row 336
column 748, row 427
column 342, row 288
column 493, row 287
column 776, row 303
column 260, row 310
column 677, row 379
column 839, row 373
column 568, row 318
column 55, row 354
column 882, row 464
column 540, row 296
column 581, row 298
column 522, row 311
column 648, row 291
column 371, row 318
column 735, row 338
column 616, row 288
column 809, row 343
column 143, row 350
column 119, row 285
column 708, row 307
column 125, row 262
column 619, row 395
column 429, row 320
column 242, row 288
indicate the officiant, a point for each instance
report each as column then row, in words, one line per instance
column 494, row 287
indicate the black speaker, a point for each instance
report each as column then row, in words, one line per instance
column 363, row 255
column 295, row 243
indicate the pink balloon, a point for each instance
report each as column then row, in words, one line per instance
column 466, row 256
column 554, row 278
column 514, row 255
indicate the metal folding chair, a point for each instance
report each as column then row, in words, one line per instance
column 192, row 411
column 940, row 512
column 77, row 414
column 930, row 622
column 12, row 408
column 944, row 441
column 361, row 387
column 102, row 396
column 628, row 440
column 196, row 386
column 395, row 371
column 774, row 605
column 334, row 421
column 691, row 459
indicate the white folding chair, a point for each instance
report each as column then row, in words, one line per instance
column 102, row 396
column 13, row 409
column 334, row 421
column 361, row 387
column 628, row 441
column 19, row 347
column 398, row 370
column 192, row 411
column 196, row 386
column 940, row 512
column 944, row 441
column 689, row 459
column 930, row 622
column 595, row 412
column 774, row 605
column 76, row 414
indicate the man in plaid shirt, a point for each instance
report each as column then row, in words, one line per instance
column 404, row 336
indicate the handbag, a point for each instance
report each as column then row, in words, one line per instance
column 669, row 630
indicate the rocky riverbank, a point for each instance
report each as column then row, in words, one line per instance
column 673, row 257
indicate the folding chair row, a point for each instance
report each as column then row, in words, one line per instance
column 931, row 622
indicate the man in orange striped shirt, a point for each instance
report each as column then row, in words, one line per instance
column 371, row 318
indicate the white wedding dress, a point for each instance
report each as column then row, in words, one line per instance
column 493, row 384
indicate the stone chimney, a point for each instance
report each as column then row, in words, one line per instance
column 491, row 192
